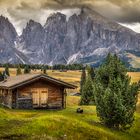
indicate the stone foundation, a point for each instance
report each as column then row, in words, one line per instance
column 25, row 104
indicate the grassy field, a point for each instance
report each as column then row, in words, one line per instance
column 60, row 125
column 63, row 124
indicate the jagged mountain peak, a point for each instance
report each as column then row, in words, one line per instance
column 6, row 26
column 56, row 16
column 8, row 38
column 32, row 25
column 4, row 19
column 32, row 34
column 83, row 38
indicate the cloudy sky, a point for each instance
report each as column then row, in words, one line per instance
column 19, row 12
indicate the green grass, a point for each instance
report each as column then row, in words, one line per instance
column 64, row 124
column 60, row 125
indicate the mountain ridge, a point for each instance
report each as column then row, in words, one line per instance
column 83, row 38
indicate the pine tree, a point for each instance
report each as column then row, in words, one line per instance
column 87, row 96
column 115, row 96
column 7, row 71
column 91, row 72
column 19, row 70
column 27, row 69
column 83, row 79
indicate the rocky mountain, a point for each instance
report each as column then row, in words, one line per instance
column 84, row 38
column 8, row 37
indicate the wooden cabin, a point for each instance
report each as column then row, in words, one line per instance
column 30, row 91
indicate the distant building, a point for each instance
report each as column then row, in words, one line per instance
column 30, row 91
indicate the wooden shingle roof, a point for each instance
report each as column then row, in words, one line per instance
column 17, row 81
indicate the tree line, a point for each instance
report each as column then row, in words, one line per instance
column 47, row 67
column 110, row 89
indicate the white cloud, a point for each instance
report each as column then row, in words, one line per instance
column 134, row 26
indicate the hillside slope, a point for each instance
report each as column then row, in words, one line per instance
column 59, row 125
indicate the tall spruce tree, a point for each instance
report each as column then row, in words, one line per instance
column 87, row 96
column 19, row 70
column 115, row 96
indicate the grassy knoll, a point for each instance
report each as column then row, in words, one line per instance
column 60, row 125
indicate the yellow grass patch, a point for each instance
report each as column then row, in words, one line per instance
column 135, row 76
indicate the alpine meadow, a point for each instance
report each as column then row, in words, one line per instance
column 69, row 70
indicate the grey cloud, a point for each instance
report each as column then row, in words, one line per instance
column 119, row 10
column 20, row 11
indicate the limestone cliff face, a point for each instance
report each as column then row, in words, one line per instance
column 31, row 42
column 84, row 38
column 8, row 37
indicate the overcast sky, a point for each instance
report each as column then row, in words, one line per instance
column 19, row 12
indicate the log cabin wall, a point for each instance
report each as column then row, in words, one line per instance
column 55, row 97
column 1, row 96
column 6, row 97
column 14, row 98
column 24, row 96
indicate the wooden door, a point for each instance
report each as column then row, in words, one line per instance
column 43, row 97
column 40, row 97
column 35, row 95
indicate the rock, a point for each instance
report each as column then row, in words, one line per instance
column 79, row 110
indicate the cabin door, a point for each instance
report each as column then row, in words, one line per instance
column 40, row 97
column 43, row 97
column 35, row 95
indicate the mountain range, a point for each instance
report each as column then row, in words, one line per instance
column 84, row 38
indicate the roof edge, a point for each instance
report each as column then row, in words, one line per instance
column 51, row 79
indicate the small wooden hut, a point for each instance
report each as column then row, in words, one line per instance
column 30, row 91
